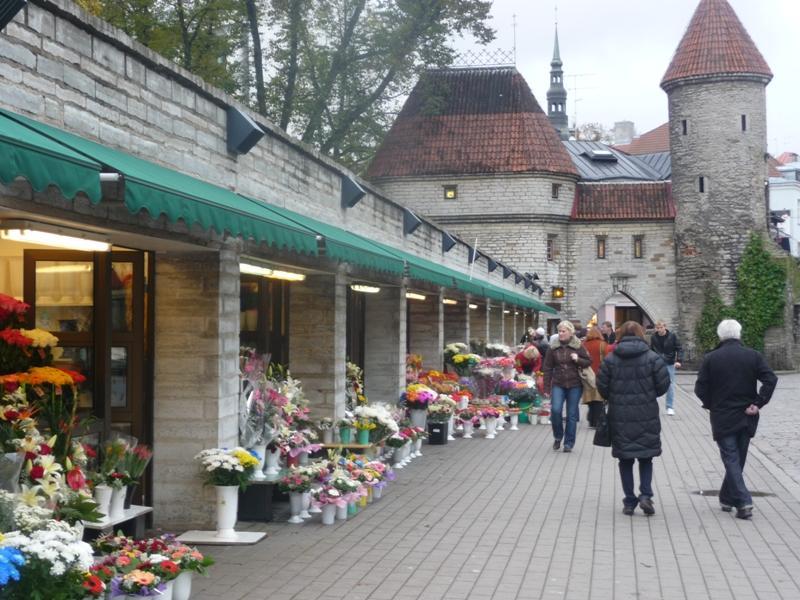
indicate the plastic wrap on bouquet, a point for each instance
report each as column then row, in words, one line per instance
column 486, row 380
column 10, row 468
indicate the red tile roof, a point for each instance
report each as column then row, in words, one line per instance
column 787, row 157
column 655, row 140
column 623, row 202
column 772, row 166
column 471, row 121
column 715, row 43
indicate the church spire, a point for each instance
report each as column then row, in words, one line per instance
column 557, row 94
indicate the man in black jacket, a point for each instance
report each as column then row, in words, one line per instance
column 726, row 385
column 666, row 345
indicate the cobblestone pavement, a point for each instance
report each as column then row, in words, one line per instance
column 509, row 519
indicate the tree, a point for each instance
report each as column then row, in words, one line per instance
column 594, row 132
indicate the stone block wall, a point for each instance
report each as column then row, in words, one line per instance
column 426, row 330
column 196, row 382
column 385, row 356
column 456, row 323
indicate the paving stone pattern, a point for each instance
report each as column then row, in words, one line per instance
column 510, row 519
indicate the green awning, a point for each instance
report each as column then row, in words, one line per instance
column 343, row 245
column 160, row 190
column 44, row 162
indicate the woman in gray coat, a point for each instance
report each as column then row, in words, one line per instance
column 631, row 379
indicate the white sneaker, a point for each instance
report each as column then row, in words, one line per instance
column 670, row 412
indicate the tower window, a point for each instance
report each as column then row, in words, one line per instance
column 601, row 246
column 701, row 184
column 556, row 188
column 638, row 246
column 744, row 122
column 685, row 126
column 551, row 247
column 450, row 192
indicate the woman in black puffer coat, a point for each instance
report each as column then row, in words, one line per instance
column 631, row 379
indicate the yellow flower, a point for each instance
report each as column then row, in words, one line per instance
column 40, row 337
column 245, row 458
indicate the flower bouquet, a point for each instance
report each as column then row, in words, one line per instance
column 418, row 396
column 297, row 480
column 224, row 467
column 440, row 412
column 497, row 350
column 464, row 363
column 383, row 416
column 450, row 350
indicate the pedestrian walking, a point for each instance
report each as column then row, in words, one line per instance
column 540, row 339
column 631, row 379
column 727, row 386
column 666, row 344
column 562, row 383
column 597, row 348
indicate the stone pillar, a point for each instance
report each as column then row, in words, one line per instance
column 496, row 327
column 426, row 330
column 479, row 323
column 508, row 325
column 317, row 342
column 456, row 322
column 385, row 341
column 196, row 380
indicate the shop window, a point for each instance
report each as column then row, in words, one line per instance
column 638, row 246
column 451, row 192
column 264, row 316
column 601, row 246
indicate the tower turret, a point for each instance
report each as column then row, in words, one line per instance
column 716, row 88
column 557, row 94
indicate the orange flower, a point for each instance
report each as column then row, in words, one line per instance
column 57, row 377
column 141, row 577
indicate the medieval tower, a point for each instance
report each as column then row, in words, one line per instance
column 716, row 88
column 557, row 94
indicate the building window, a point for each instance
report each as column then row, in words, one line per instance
column 554, row 191
column 601, row 246
column 450, row 192
column 685, row 127
column 744, row 122
column 638, row 246
column 701, row 184
column 551, row 247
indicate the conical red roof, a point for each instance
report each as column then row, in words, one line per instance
column 471, row 121
column 715, row 43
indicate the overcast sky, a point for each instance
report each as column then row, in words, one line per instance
column 616, row 51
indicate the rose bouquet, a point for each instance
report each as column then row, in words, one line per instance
column 134, row 462
column 396, row 440
column 439, row 412
column 137, row 582
column 328, row 495
column 419, row 396
column 297, row 481
column 224, row 467
column 490, row 412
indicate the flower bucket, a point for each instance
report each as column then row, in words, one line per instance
column 296, row 507
column 116, row 509
column 418, row 417
column 102, row 495
column 514, row 421
column 302, row 459
column 329, row 514
column 261, row 451
column 10, row 468
column 341, row 512
column 227, row 509
column 352, row 509
column 182, row 586
column 437, row 433
column 345, row 435
column 450, row 428
column 524, row 408
column 418, row 447
column 169, row 589
column 304, row 514
column 362, row 502
column 468, row 430
column 292, row 461
column 491, row 425
column 397, row 458
column 363, row 437
column 327, row 436
column 273, row 459
column 129, row 492
column 377, row 492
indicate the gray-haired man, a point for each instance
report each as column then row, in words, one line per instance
column 727, row 385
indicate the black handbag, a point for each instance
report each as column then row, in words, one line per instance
column 602, row 432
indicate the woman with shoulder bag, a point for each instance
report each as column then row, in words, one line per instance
column 597, row 347
column 631, row 379
column 562, row 383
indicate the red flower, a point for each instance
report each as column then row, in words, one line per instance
column 93, row 584
column 10, row 384
column 76, row 479
column 11, row 415
column 44, row 449
column 90, row 452
column 37, row 472
column 77, row 378
column 13, row 337
column 169, row 567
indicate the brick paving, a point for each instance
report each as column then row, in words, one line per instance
column 510, row 519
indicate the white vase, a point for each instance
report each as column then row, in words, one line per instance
column 499, row 424
column 261, row 451
column 102, row 496
column 450, row 428
column 313, row 508
column 327, row 436
column 377, row 492
column 79, row 528
column 418, row 417
column 514, row 422
column 273, row 459
column 491, row 424
column 418, row 447
column 296, row 506
column 182, row 586
column 304, row 514
column 116, row 509
column 397, row 458
column 463, row 403
column 407, row 453
column 169, row 588
column 329, row 514
column 341, row 513
column 483, row 423
column 468, row 430
column 227, row 509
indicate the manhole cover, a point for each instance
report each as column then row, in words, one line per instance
column 716, row 493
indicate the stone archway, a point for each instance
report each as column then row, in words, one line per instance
column 621, row 284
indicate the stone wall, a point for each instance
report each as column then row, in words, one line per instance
column 426, row 330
